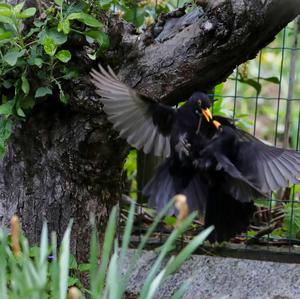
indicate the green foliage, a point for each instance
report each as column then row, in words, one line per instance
column 291, row 220
column 35, row 274
column 141, row 13
column 130, row 167
column 36, row 56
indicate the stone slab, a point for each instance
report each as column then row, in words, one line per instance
column 220, row 278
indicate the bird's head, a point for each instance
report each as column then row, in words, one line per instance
column 203, row 103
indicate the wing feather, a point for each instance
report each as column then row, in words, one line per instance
column 140, row 120
column 271, row 168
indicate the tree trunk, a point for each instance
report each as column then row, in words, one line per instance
column 66, row 162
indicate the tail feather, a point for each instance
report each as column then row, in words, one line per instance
column 163, row 186
column 229, row 216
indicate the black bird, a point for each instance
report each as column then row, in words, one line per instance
column 220, row 168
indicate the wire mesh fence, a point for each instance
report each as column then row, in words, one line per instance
column 263, row 98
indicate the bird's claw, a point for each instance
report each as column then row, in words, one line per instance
column 183, row 148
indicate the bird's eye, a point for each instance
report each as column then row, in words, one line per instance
column 199, row 103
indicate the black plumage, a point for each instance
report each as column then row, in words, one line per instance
column 220, row 168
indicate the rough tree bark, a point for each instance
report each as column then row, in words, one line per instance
column 66, row 162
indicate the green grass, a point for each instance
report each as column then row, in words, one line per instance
column 47, row 271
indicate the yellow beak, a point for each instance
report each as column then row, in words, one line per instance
column 207, row 114
column 216, row 124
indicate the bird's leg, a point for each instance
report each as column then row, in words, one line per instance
column 182, row 147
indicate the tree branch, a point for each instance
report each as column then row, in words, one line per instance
column 199, row 50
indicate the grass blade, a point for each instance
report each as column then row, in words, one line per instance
column 64, row 263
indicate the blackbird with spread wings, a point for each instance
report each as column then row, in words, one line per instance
column 220, row 168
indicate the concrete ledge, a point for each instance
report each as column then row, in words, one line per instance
column 217, row 277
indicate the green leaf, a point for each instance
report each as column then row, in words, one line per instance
column 64, row 26
column 49, row 46
column 38, row 23
column 85, row 267
column 59, row 2
column 5, row 11
column 85, row 18
column 63, row 55
column 25, row 84
column 17, row 8
column 42, row 91
column 27, row 103
column 64, row 98
column 5, row 35
column 252, row 83
column 7, row 108
column 71, row 74
column 92, row 56
column 72, row 262
column 271, row 79
column 12, row 56
column 6, row 20
column 27, row 13
column 100, row 37
column 105, row 4
column 291, row 220
column 58, row 38
column 72, row 281
column 34, row 251
column 170, row 220
column 3, row 5
column 35, row 61
column 20, row 112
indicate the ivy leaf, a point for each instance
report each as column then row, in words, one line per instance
column 100, row 37
column 42, row 91
column 85, row 18
column 63, row 55
column 25, row 85
column 27, row 13
column 49, row 46
column 11, row 57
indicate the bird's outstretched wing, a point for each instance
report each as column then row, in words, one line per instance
column 267, row 167
column 144, row 123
